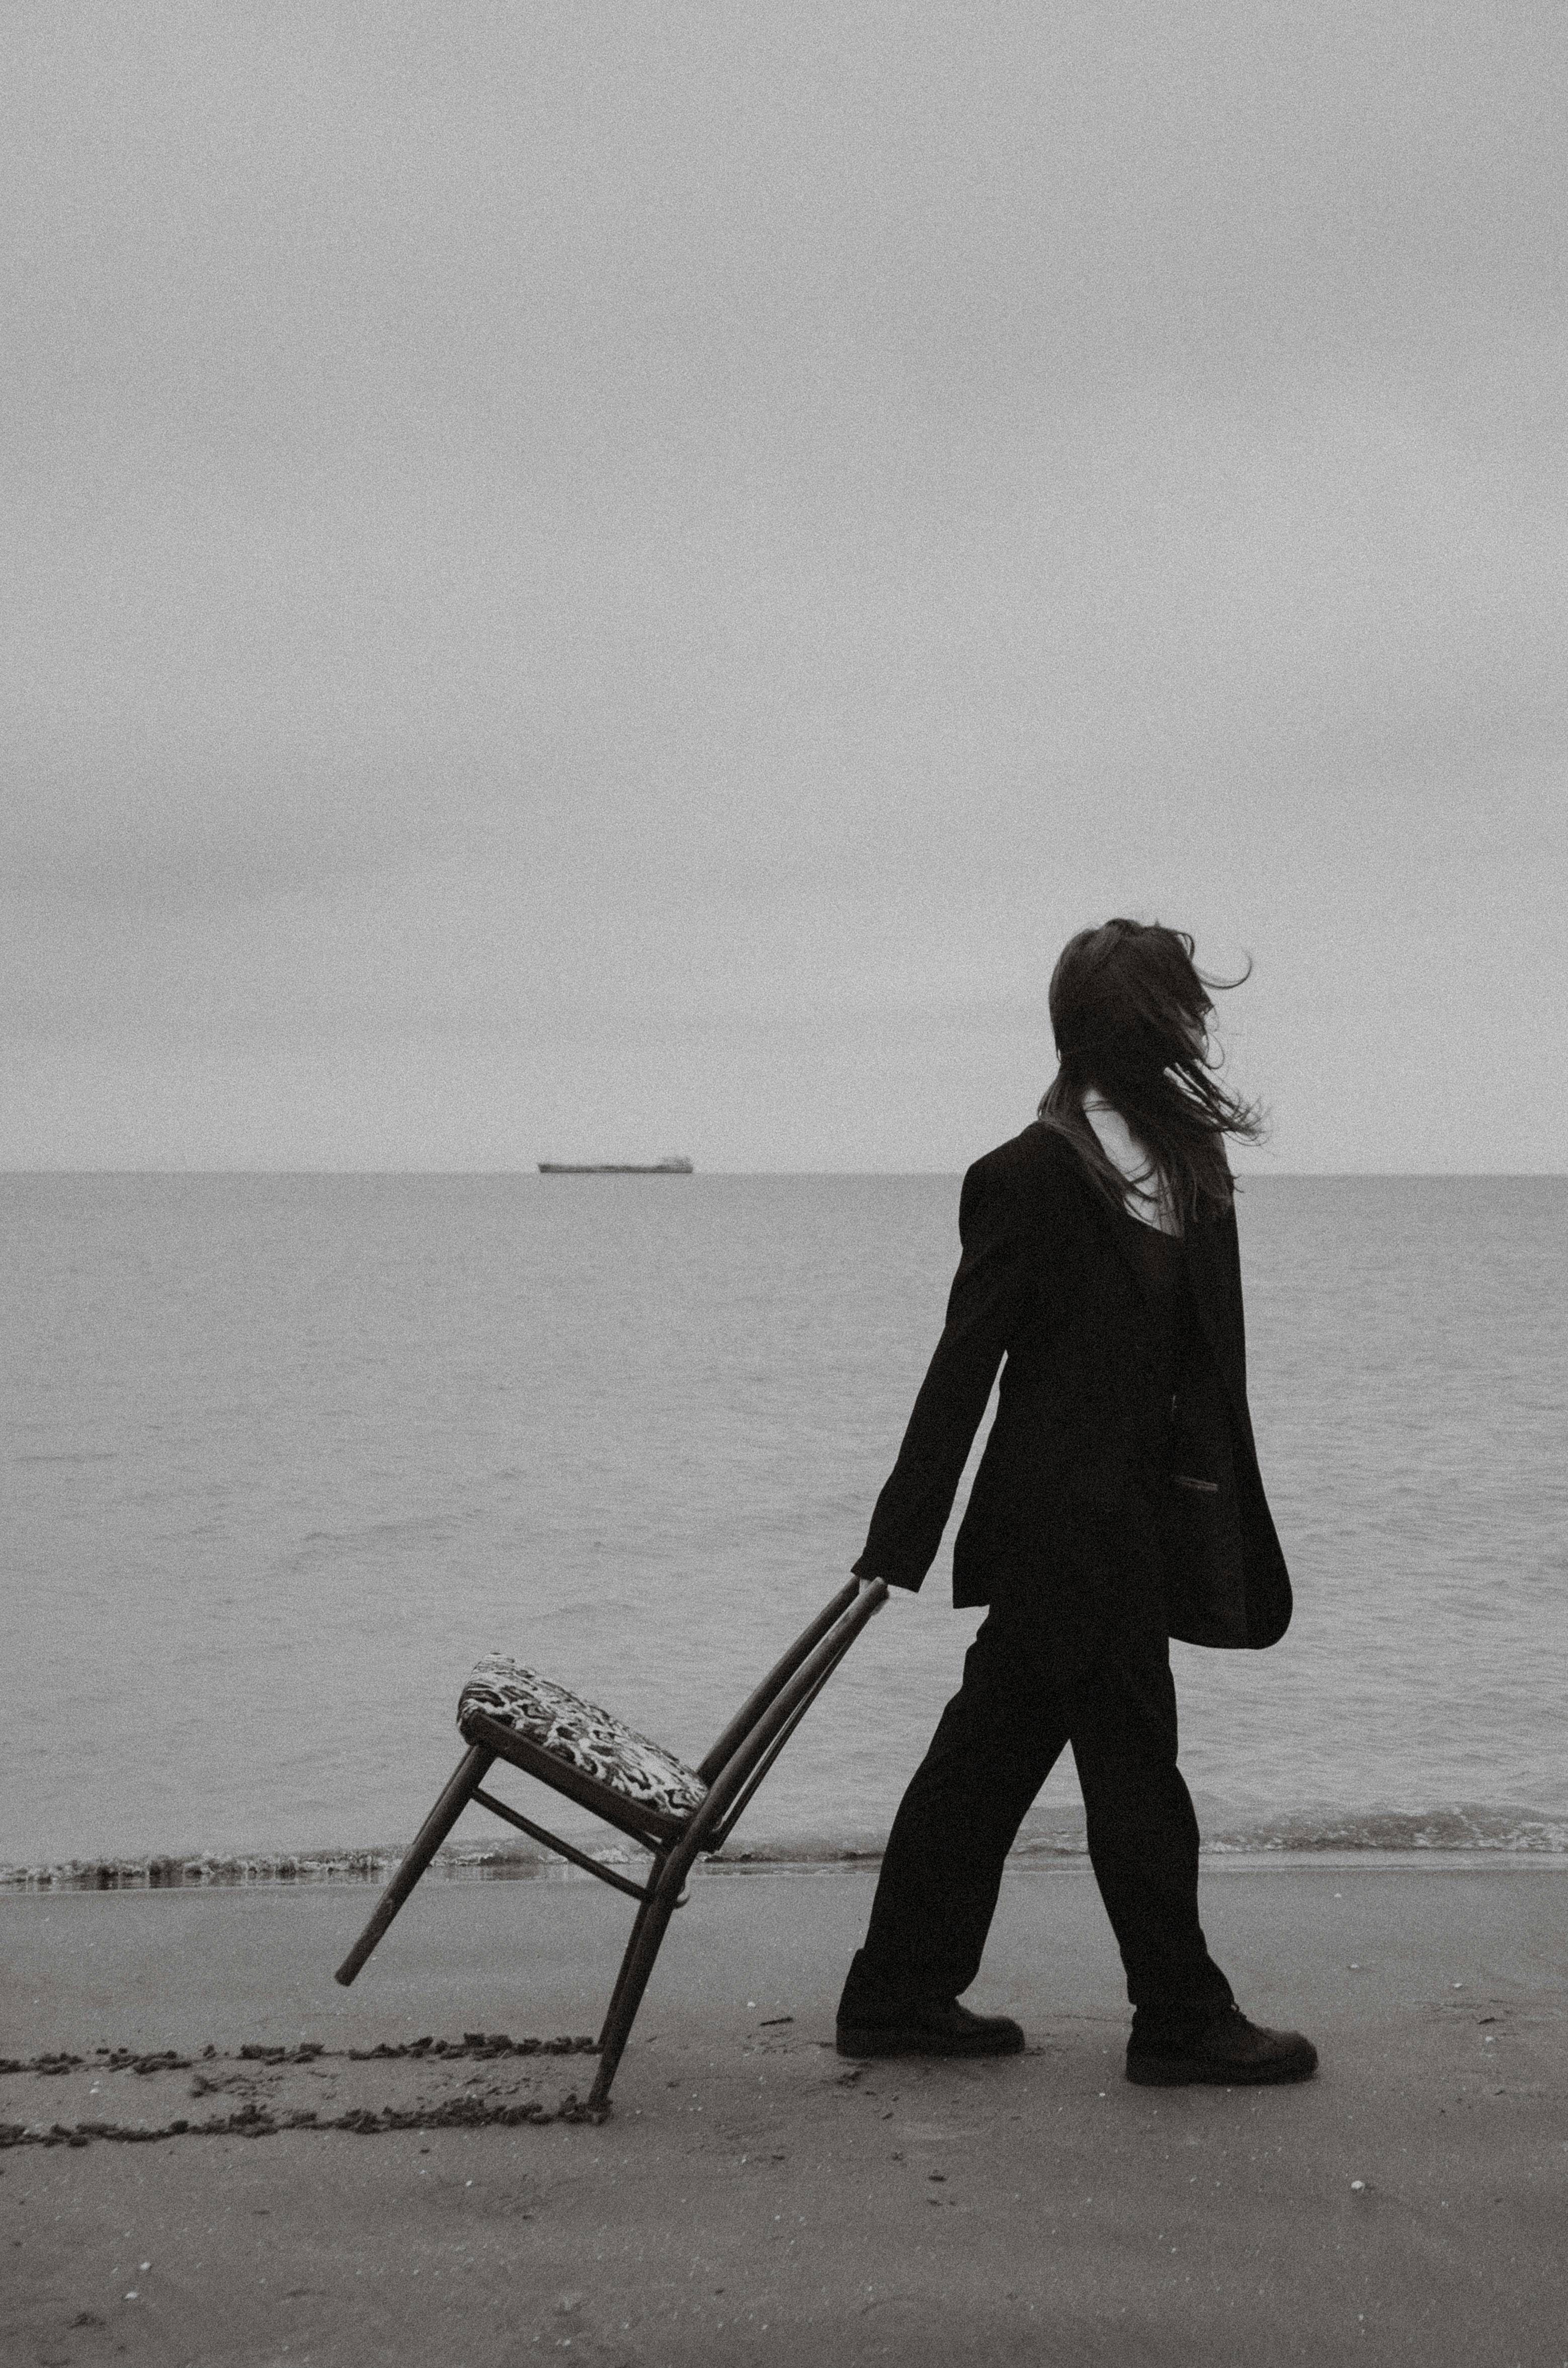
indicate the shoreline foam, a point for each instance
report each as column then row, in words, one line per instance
column 1457, row 1832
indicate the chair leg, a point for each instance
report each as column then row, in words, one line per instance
column 454, row 1800
column 647, row 1939
column 639, row 1921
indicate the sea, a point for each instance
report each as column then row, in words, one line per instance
column 286, row 1454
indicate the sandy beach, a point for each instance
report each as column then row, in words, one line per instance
column 752, row 2196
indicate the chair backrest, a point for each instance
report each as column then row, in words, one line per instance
column 756, row 1703
column 754, row 1739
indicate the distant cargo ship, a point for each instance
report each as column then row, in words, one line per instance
column 673, row 1163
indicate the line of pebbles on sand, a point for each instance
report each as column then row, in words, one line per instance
column 255, row 2121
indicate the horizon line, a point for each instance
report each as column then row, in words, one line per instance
column 531, row 1170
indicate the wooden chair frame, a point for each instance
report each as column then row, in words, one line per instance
column 732, row 1769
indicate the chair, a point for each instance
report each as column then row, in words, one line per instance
column 508, row 1712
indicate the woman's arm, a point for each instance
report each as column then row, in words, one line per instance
column 912, row 1511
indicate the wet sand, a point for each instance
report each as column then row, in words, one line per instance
column 752, row 2196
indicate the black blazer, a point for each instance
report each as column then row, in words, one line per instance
column 1081, row 1512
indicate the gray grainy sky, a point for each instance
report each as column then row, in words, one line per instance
column 583, row 580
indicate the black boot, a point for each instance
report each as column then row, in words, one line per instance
column 876, row 2020
column 1223, row 2049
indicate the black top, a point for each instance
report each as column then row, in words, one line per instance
column 1162, row 1270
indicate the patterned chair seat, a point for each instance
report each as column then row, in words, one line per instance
column 587, row 1738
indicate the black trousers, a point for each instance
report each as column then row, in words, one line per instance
column 997, row 1741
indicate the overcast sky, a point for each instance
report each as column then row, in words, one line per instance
column 596, row 579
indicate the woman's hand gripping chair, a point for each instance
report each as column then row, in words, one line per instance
column 677, row 1812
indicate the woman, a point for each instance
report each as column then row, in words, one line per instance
column 1117, row 1504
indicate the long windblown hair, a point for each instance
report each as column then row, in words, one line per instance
column 1129, row 1009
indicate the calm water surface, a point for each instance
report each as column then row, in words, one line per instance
column 286, row 1454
